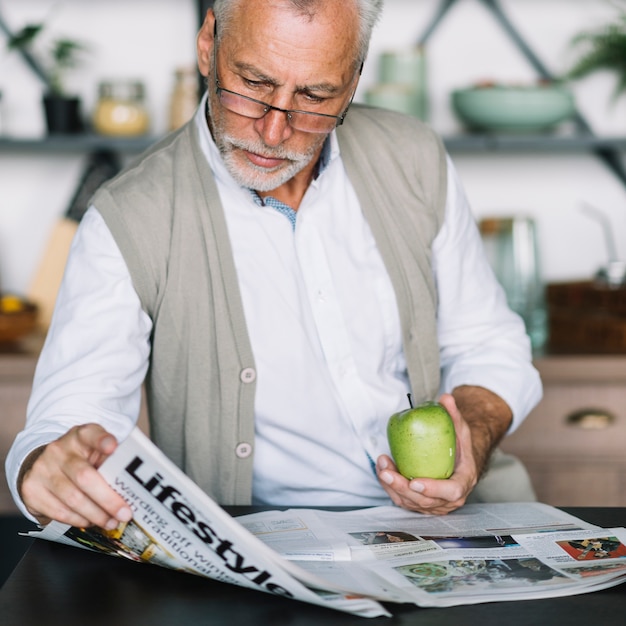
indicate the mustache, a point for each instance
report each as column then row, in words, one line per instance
column 277, row 152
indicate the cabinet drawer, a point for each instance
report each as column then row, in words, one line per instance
column 573, row 442
column 575, row 420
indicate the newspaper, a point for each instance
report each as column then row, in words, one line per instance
column 480, row 553
column 350, row 561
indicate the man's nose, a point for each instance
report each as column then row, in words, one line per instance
column 274, row 127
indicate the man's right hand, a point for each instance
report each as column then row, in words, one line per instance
column 60, row 481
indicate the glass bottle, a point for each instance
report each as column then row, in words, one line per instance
column 184, row 98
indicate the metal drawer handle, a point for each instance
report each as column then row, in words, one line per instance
column 590, row 419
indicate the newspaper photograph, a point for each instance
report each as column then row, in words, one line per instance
column 350, row 561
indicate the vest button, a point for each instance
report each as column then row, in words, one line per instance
column 243, row 450
column 248, row 375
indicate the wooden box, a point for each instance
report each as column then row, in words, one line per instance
column 586, row 318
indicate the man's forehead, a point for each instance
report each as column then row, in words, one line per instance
column 338, row 18
column 252, row 40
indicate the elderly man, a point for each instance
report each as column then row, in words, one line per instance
column 280, row 273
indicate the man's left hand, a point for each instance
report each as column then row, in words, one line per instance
column 484, row 421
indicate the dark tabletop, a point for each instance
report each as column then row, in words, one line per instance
column 70, row 586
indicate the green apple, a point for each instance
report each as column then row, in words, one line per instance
column 423, row 441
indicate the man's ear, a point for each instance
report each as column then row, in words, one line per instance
column 205, row 42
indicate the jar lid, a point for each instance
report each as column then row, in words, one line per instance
column 185, row 70
column 121, row 89
column 495, row 225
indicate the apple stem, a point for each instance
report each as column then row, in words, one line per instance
column 408, row 395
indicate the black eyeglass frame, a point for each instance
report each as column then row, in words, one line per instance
column 339, row 119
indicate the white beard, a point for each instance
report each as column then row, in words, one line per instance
column 252, row 176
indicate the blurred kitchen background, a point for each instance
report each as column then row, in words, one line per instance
column 134, row 51
column 148, row 41
column 134, row 40
column 551, row 201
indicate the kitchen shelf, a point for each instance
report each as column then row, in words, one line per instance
column 494, row 142
column 609, row 151
column 86, row 142
column 469, row 142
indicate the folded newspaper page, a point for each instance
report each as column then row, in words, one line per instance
column 177, row 525
column 480, row 553
column 350, row 561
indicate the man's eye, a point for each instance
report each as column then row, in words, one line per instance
column 310, row 97
column 253, row 84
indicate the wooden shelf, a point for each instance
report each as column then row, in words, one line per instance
column 470, row 142
column 86, row 142
column 582, row 368
column 546, row 142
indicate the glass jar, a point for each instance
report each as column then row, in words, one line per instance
column 121, row 110
column 511, row 247
column 397, row 97
column 184, row 98
column 403, row 82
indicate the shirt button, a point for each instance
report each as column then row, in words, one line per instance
column 248, row 375
column 243, row 450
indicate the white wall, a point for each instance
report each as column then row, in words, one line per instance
column 127, row 39
column 136, row 38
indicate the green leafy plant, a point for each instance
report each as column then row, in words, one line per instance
column 604, row 49
column 63, row 54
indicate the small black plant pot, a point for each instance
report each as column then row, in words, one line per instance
column 63, row 115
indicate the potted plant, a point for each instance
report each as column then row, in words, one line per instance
column 62, row 110
column 604, row 49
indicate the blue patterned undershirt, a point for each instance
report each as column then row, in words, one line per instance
column 285, row 209
column 281, row 207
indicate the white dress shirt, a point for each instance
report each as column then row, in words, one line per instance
column 324, row 329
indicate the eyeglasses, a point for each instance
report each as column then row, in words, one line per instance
column 305, row 121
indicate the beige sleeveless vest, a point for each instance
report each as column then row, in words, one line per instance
column 167, row 219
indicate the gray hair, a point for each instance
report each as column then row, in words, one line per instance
column 369, row 13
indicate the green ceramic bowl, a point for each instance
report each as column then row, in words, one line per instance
column 513, row 108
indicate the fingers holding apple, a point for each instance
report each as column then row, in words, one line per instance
column 422, row 441
column 424, row 495
column 465, row 467
column 432, row 470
